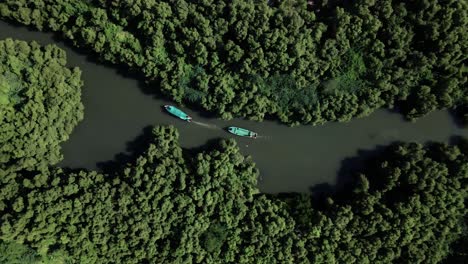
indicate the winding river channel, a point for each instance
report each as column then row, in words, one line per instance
column 289, row 159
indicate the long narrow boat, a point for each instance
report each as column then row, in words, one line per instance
column 177, row 112
column 242, row 132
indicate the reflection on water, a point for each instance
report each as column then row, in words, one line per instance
column 290, row 159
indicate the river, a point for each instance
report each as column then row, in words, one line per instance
column 298, row 159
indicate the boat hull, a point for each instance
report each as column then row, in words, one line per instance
column 177, row 112
column 242, row 132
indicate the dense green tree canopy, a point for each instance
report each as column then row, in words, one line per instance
column 14, row 253
column 40, row 103
column 303, row 64
column 171, row 207
column 398, row 213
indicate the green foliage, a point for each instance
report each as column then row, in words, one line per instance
column 170, row 207
column 459, row 249
column 407, row 208
column 238, row 58
column 193, row 77
column 10, row 86
column 39, row 103
column 350, row 78
column 14, row 253
column 414, row 51
column 214, row 237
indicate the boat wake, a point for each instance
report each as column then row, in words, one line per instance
column 265, row 137
column 210, row 126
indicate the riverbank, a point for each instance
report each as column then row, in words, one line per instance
column 289, row 159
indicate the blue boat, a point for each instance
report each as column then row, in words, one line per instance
column 177, row 112
column 242, row 132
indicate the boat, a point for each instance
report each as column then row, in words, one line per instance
column 242, row 132
column 177, row 112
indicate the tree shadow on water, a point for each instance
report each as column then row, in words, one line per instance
column 460, row 141
column 457, row 117
column 209, row 145
column 322, row 190
column 350, row 168
column 133, row 150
